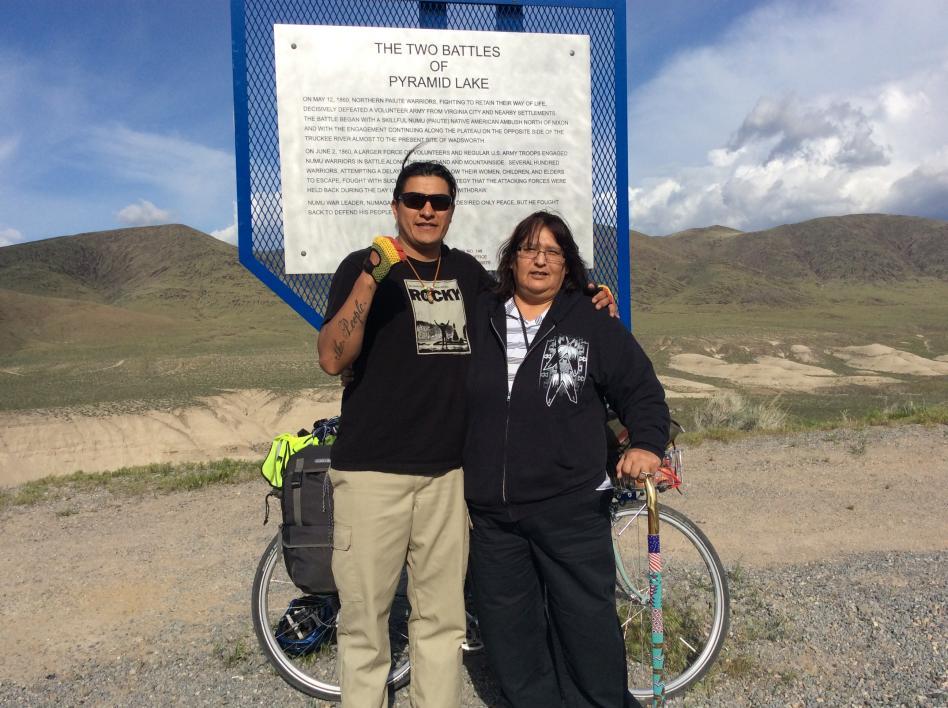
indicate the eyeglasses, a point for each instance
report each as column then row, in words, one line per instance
column 553, row 255
column 417, row 200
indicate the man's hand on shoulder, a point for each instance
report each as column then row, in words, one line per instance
column 602, row 297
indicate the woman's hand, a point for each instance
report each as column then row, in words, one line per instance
column 635, row 463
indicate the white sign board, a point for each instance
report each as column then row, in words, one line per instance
column 507, row 113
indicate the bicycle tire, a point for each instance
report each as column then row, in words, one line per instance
column 314, row 674
column 695, row 598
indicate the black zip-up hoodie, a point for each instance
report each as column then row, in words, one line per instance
column 548, row 439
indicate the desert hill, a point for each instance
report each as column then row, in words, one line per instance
column 716, row 232
column 155, row 284
column 148, row 267
column 174, row 276
column 139, row 268
column 168, row 313
column 785, row 265
column 162, row 313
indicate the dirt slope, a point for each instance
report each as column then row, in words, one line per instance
column 238, row 424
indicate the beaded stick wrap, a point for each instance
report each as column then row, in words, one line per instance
column 655, row 594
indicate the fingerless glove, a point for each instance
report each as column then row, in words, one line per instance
column 389, row 252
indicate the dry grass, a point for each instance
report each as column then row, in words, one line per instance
column 131, row 481
column 730, row 416
column 730, row 410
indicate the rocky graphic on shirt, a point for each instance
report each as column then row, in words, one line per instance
column 440, row 322
column 563, row 368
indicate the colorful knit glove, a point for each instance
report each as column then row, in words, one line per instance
column 389, row 252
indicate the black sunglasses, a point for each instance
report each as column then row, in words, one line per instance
column 417, row 200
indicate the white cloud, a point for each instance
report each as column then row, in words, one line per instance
column 798, row 112
column 10, row 236
column 838, row 133
column 900, row 105
column 228, row 234
column 144, row 213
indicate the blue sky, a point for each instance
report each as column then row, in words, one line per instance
column 748, row 114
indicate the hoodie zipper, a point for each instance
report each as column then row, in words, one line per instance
column 503, row 340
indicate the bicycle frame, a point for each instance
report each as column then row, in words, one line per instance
column 641, row 596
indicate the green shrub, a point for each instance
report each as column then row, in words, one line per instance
column 907, row 411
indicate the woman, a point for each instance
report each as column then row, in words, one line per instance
column 543, row 363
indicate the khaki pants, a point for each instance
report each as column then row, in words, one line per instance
column 383, row 521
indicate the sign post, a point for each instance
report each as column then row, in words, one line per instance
column 524, row 102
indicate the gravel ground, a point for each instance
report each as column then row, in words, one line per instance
column 867, row 629
column 113, row 601
column 864, row 630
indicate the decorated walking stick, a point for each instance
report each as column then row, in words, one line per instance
column 655, row 593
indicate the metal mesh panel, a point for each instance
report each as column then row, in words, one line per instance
column 258, row 152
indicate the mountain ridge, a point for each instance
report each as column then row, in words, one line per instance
column 122, row 266
column 129, row 316
column 774, row 267
column 152, row 284
column 183, row 278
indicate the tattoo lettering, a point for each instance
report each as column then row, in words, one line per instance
column 348, row 326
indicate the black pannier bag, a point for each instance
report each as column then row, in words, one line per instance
column 307, row 520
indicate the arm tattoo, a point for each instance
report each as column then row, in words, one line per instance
column 348, row 326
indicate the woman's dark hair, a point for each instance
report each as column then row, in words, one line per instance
column 426, row 168
column 526, row 233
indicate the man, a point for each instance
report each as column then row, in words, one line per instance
column 398, row 487
column 399, row 493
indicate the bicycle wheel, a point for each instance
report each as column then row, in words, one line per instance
column 695, row 599
column 315, row 673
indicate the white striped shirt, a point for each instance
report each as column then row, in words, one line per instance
column 516, row 346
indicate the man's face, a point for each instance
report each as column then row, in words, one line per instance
column 422, row 230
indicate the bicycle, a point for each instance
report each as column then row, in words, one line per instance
column 695, row 606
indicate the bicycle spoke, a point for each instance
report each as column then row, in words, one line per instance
column 694, row 605
column 310, row 663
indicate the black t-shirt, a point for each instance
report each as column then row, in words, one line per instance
column 404, row 411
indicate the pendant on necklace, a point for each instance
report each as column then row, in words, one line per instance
column 429, row 295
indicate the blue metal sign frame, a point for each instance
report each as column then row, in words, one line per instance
column 259, row 217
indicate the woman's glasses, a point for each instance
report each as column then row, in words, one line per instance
column 553, row 255
column 417, row 200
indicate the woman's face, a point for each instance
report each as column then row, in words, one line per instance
column 539, row 268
